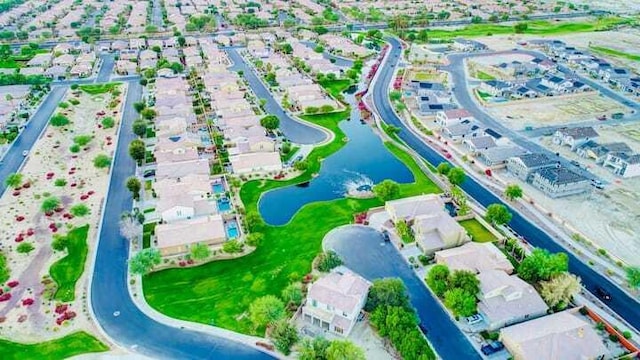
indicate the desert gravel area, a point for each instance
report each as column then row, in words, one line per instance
column 554, row 110
column 50, row 161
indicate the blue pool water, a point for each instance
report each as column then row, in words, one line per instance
column 224, row 204
column 364, row 155
column 232, row 230
column 218, row 188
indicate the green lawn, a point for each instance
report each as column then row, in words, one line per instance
column 286, row 157
column 66, row 271
column 615, row 53
column 483, row 94
column 95, row 89
column 220, row 292
column 425, row 76
column 147, row 230
column 9, row 63
column 478, row 232
column 335, row 87
column 484, row 76
column 62, row 348
column 538, row 27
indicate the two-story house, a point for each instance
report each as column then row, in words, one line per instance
column 574, row 137
column 623, row 164
column 451, row 117
column 334, row 301
column 558, row 181
column 523, row 166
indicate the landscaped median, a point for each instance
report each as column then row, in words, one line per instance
column 61, row 348
column 219, row 293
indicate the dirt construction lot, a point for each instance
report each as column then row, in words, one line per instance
column 555, row 110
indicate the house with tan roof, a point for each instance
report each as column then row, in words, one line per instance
column 182, row 169
column 176, row 238
column 474, row 257
column 175, row 149
column 334, row 301
column 183, row 206
column 256, row 162
column 194, row 185
column 438, row 231
column 408, row 208
column 506, row 299
column 562, row 335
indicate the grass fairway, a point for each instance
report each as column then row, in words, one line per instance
column 335, row 87
column 95, row 89
column 615, row 53
column 66, row 271
column 62, row 348
column 478, row 232
column 484, row 76
column 538, row 27
column 219, row 293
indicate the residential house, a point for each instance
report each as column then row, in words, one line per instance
column 407, row 209
column 175, row 149
column 556, row 83
column 496, row 88
column 335, row 301
column 256, row 162
column 623, row 164
column 497, row 156
column 474, row 257
column 451, row 117
column 614, row 75
column 574, row 137
column 558, row 181
column 464, row 130
column 176, row 207
column 506, row 299
column 478, row 143
column 176, row 238
column 182, row 169
column 562, row 335
column 461, row 44
column 40, row 60
column 438, row 231
column 599, row 152
column 523, row 166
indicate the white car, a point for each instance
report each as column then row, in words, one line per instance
column 25, row 153
column 474, row 319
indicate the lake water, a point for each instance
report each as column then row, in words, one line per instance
column 363, row 159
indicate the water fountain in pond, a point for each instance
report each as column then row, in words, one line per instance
column 360, row 187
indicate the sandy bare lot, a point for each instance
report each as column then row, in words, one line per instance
column 52, row 170
column 555, row 110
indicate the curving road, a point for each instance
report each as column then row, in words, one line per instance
column 131, row 328
column 295, row 131
column 625, row 306
column 364, row 251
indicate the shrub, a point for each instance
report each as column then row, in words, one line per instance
column 327, row 260
column 60, row 182
column 293, row 294
column 80, row 210
column 25, row 248
column 59, row 242
column 49, row 204
column 232, row 247
column 63, row 105
column 108, row 122
column 627, row 334
column 74, row 101
column 266, row 310
column 59, row 120
column 102, row 161
column 254, row 239
column 75, row 148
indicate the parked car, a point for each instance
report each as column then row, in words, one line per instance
column 603, row 294
column 25, row 153
column 385, row 236
column 474, row 319
column 602, row 117
column 149, row 173
column 492, row 348
column 575, row 163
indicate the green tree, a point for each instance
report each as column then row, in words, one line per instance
column 293, row 294
column 60, row 242
column 395, row 95
column 266, row 310
column 270, row 122
column 139, row 127
column 134, row 186
column 460, row 302
column 25, row 248
column 311, row 110
column 456, row 176
column 520, row 28
column 80, row 210
column 254, row 239
column 438, row 279
column 498, row 214
column 232, row 247
column 387, row 190
column 102, row 161
column 423, row 35
column 315, row 349
column 139, row 106
column 387, row 292
column 137, row 150
column 513, row 192
column 465, row 280
column 144, row 261
column 301, row 165
column 148, row 114
column 176, row 67
column 328, row 260
column 13, row 180
column 542, row 265
column 560, row 289
column 199, row 251
column 284, row 336
column 59, row 120
column 50, row 204
column 344, row 350
column 108, row 122
column 443, row 168
column 253, row 221
column 633, row 276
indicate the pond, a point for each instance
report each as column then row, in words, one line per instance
column 362, row 162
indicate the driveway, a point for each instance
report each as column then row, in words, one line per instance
column 294, row 130
column 624, row 305
column 364, row 251
column 131, row 328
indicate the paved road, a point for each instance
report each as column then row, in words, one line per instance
column 295, row 131
column 627, row 307
column 13, row 159
column 156, row 14
column 109, row 288
column 106, row 69
column 365, row 252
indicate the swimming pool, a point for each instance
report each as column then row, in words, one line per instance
column 232, row 229
column 224, row 204
column 218, row 187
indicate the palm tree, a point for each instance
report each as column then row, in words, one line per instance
column 398, row 22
